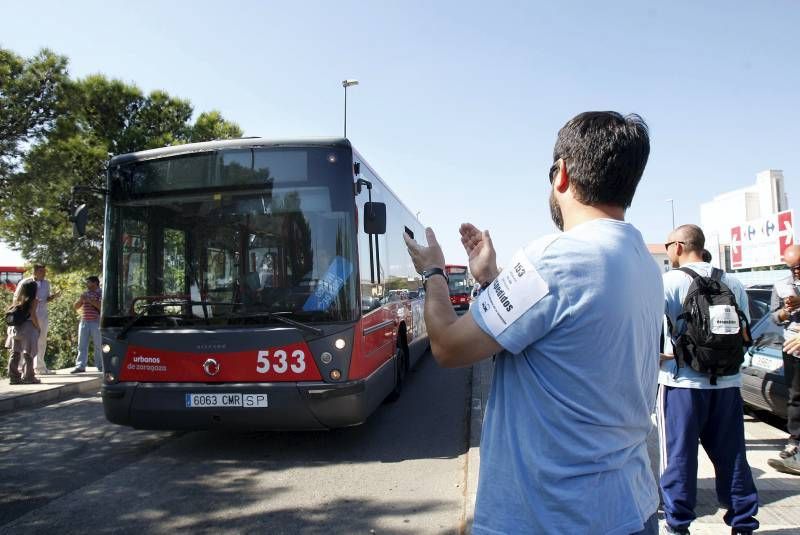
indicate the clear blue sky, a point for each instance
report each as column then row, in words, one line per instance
column 460, row 102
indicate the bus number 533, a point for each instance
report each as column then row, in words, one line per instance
column 281, row 362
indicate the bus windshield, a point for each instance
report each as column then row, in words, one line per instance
column 458, row 283
column 232, row 235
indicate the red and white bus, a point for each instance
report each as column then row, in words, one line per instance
column 459, row 284
column 255, row 284
column 10, row 277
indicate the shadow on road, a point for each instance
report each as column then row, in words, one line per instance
column 84, row 474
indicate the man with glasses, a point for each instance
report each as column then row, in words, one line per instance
column 692, row 408
column 574, row 320
column 785, row 306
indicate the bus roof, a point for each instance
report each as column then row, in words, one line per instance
column 241, row 143
column 13, row 269
column 244, row 143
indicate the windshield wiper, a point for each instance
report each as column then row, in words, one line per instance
column 279, row 316
column 165, row 302
column 139, row 315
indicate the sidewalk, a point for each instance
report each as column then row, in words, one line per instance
column 61, row 385
column 779, row 494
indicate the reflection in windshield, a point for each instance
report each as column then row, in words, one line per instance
column 261, row 249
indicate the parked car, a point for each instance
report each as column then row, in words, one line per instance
column 759, row 300
column 763, row 383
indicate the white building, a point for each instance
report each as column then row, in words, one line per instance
column 767, row 196
column 659, row 254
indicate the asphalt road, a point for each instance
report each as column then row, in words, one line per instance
column 64, row 468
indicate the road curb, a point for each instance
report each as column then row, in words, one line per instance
column 481, row 381
column 49, row 394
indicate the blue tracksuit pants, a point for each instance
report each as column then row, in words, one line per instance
column 713, row 418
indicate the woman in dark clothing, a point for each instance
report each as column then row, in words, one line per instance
column 24, row 337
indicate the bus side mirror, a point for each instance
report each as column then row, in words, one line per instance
column 79, row 219
column 375, row 218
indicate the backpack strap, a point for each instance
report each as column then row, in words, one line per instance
column 693, row 274
column 716, row 274
column 680, row 345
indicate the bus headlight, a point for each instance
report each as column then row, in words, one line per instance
column 339, row 343
column 110, row 377
column 336, row 375
column 106, row 349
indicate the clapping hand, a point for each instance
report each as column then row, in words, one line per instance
column 481, row 253
column 792, row 346
column 425, row 257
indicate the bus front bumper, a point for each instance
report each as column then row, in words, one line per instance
column 290, row 406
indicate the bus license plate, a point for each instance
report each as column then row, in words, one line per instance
column 226, row 400
column 767, row 363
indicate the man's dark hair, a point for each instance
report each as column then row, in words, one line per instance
column 706, row 255
column 92, row 278
column 692, row 238
column 605, row 155
column 39, row 266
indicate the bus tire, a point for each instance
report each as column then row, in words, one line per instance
column 401, row 367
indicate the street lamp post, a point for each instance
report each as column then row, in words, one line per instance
column 672, row 206
column 346, row 84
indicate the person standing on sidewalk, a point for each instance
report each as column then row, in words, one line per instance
column 785, row 305
column 693, row 406
column 574, row 321
column 23, row 335
column 89, row 306
column 44, row 296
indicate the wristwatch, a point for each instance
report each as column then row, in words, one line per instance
column 430, row 272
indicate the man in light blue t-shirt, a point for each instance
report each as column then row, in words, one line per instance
column 691, row 409
column 574, row 319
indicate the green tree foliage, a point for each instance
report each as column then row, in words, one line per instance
column 69, row 143
column 31, row 94
column 211, row 125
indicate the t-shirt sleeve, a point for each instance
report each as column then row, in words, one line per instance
column 519, row 307
column 673, row 304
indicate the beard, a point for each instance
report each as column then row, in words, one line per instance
column 555, row 212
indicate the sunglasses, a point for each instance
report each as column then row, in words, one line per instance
column 666, row 245
column 554, row 170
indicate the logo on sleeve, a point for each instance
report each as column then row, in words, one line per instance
column 501, row 295
column 513, row 293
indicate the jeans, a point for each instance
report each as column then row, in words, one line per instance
column 85, row 330
column 791, row 371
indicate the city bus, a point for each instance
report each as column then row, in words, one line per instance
column 460, row 286
column 255, row 284
column 10, row 277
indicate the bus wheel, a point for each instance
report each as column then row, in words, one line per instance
column 401, row 360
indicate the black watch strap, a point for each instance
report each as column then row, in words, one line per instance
column 428, row 273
